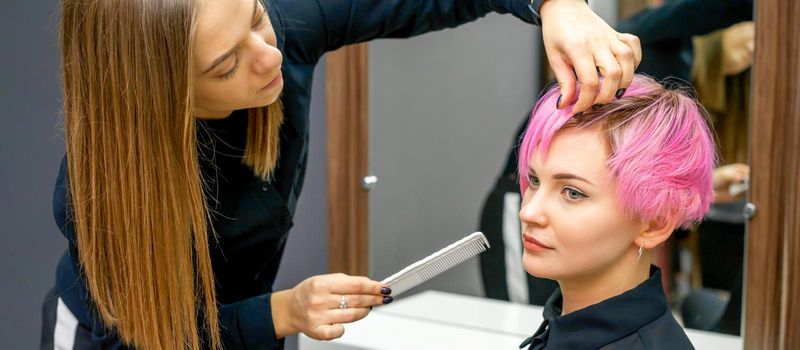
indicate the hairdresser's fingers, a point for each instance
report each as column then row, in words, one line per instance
column 348, row 315
column 745, row 170
column 726, row 175
column 626, row 59
column 587, row 74
column 740, row 171
column 611, row 71
column 326, row 332
column 566, row 80
column 633, row 43
column 344, row 284
column 358, row 300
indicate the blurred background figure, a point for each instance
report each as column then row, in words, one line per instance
column 721, row 75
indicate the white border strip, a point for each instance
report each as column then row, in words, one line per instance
column 516, row 277
column 66, row 328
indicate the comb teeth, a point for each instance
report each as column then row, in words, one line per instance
column 436, row 263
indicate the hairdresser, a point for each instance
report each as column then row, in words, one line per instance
column 186, row 148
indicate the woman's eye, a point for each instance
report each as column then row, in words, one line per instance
column 573, row 194
column 232, row 72
column 261, row 20
column 533, row 180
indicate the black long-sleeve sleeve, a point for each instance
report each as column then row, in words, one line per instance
column 666, row 32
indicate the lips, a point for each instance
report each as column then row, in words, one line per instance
column 534, row 245
column 275, row 81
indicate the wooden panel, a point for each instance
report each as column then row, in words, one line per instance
column 347, row 160
column 772, row 310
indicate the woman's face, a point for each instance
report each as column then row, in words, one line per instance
column 237, row 62
column 571, row 225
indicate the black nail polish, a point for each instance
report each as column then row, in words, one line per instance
column 619, row 93
column 558, row 102
column 371, row 307
column 387, row 299
column 596, row 106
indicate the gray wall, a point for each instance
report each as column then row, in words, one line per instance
column 606, row 9
column 31, row 146
column 443, row 111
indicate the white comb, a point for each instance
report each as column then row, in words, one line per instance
column 436, row 263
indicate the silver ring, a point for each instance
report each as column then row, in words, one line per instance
column 342, row 303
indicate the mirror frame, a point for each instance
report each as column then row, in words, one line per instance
column 348, row 160
column 772, row 289
column 772, row 310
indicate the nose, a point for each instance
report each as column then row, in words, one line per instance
column 267, row 58
column 533, row 209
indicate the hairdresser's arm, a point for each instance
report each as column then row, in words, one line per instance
column 314, row 27
column 685, row 18
column 574, row 37
column 259, row 322
column 246, row 324
column 311, row 307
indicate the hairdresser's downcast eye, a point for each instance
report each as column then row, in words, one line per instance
column 260, row 19
column 230, row 73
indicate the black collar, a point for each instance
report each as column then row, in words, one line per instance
column 601, row 323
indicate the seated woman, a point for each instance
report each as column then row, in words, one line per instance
column 600, row 191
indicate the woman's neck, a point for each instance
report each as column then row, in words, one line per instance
column 603, row 284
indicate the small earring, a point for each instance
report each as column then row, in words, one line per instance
column 641, row 250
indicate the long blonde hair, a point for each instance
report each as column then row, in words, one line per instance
column 135, row 187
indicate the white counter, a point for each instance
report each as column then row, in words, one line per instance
column 437, row 320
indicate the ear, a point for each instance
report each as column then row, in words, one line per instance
column 655, row 232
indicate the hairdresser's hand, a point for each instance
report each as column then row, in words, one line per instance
column 724, row 177
column 312, row 307
column 576, row 38
column 738, row 44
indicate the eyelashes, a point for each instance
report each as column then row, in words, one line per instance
column 573, row 194
column 533, row 180
column 570, row 193
column 261, row 20
column 232, row 72
column 259, row 23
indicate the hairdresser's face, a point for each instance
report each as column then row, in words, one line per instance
column 237, row 63
column 570, row 208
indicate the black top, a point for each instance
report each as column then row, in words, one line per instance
column 666, row 32
column 253, row 218
column 637, row 319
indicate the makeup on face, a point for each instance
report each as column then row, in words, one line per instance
column 533, row 245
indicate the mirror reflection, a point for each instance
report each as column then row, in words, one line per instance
column 446, row 158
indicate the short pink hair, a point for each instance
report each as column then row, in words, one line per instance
column 662, row 151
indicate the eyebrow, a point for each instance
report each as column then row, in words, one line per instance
column 230, row 52
column 566, row 176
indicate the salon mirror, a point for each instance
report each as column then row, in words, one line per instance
column 444, row 109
